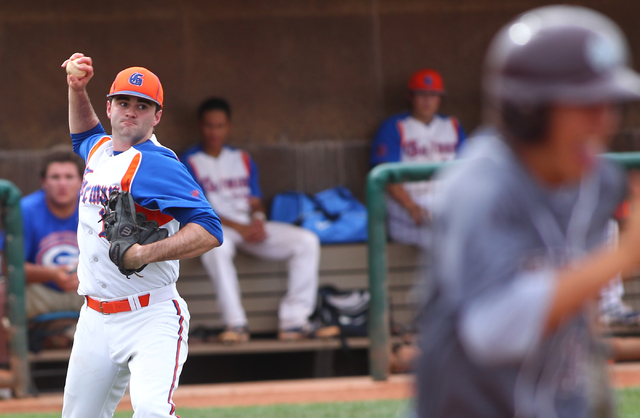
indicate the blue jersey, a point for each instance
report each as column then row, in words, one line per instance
column 48, row 240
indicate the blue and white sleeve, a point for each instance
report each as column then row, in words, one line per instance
column 254, row 184
column 462, row 136
column 185, row 160
column 386, row 144
column 174, row 192
column 83, row 142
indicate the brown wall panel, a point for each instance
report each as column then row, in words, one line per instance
column 283, row 82
column 33, row 109
column 294, row 71
column 414, row 41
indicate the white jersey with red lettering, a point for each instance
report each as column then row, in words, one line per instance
column 160, row 186
column 403, row 138
column 228, row 180
column 98, row 277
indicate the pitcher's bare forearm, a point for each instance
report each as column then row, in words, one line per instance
column 191, row 241
column 82, row 117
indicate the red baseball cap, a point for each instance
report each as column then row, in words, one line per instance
column 426, row 80
column 139, row 82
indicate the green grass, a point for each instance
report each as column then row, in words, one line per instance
column 370, row 409
column 629, row 403
column 628, row 407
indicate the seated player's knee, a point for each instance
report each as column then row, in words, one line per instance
column 308, row 240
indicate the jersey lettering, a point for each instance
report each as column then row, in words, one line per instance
column 226, row 182
column 96, row 194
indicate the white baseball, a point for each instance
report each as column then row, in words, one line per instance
column 72, row 68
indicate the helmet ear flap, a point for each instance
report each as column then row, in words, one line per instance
column 525, row 124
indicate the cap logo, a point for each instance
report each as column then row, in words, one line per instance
column 428, row 80
column 136, row 79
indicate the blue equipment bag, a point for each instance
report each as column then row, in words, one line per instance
column 289, row 207
column 333, row 214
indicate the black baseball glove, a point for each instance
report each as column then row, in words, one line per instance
column 123, row 227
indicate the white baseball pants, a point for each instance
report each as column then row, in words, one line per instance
column 402, row 228
column 298, row 246
column 147, row 347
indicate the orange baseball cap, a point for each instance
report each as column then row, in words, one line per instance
column 139, row 82
column 426, row 80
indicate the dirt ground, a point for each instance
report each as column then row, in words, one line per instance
column 290, row 391
column 255, row 393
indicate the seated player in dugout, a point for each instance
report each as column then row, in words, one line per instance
column 229, row 178
column 50, row 224
column 420, row 135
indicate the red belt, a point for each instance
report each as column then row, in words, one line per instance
column 116, row 305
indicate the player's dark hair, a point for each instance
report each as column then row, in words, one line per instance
column 525, row 124
column 214, row 103
column 61, row 154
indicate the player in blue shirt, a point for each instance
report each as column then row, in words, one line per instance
column 50, row 223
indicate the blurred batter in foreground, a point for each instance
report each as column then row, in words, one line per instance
column 520, row 227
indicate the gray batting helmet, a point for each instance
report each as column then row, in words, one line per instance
column 563, row 54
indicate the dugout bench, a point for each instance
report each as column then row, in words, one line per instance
column 263, row 284
column 309, row 167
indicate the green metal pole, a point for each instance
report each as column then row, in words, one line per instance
column 377, row 181
column 379, row 335
column 628, row 160
column 14, row 262
column 377, row 254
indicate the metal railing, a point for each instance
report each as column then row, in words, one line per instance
column 377, row 180
column 14, row 263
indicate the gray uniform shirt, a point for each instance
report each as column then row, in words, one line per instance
column 499, row 238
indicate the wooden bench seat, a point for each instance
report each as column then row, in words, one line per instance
column 264, row 283
column 255, row 346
